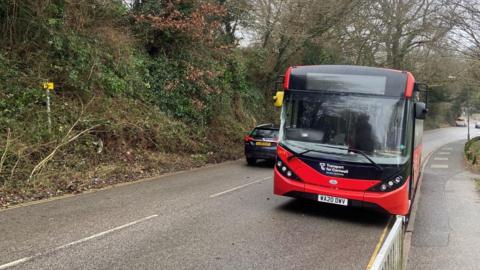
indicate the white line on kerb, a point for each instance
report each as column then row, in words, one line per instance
column 443, row 153
column 439, row 166
column 26, row 259
column 440, row 158
column 237, row 188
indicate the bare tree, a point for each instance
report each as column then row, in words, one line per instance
column 467, row 35
column 394, row 28
column 283, row 27
column 236, row 17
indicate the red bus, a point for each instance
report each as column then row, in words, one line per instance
column 350, row 136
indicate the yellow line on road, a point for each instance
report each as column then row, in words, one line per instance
column 379, row 244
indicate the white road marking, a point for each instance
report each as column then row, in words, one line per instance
column 439, row 166
column 239, row 187
column 440, row 158
column 443, row 153
column 26, row 259
column 447, row 148
column 17, row 262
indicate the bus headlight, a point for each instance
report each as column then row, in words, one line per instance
column 389, row 185
column 398, row 179
column 284, row 170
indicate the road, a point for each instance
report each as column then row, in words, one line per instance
column 219, row 217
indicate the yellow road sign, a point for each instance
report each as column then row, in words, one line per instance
column 48, row 85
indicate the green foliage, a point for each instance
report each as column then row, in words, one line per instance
column 439, row 94
column 445, row 105
column 197, row 102
column 17, row 97
column 315, row 54
column 170, row 92
column 84, row 64
column 472, row 150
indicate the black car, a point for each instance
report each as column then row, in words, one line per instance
column 261, row 143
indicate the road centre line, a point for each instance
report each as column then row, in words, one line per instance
column 26, row 259
column 447, row 148
column 239, row 187
column 443, row 153
column 440, row 158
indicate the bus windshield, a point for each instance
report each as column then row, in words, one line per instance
column 368, row 123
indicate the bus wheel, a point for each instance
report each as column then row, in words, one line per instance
column 251, row 161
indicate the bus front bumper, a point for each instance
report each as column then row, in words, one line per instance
column 394, row 202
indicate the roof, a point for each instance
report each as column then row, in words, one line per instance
column 347, row 69
column 268, row 126
column 392, row 82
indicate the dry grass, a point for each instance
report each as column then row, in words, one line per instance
column 130, row 141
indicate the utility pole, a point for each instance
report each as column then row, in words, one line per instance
column 468, row 119
column 468, row 113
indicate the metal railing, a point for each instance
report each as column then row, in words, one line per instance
column 390, row 256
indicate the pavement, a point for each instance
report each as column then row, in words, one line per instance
column 218, row 217
column 446, row 231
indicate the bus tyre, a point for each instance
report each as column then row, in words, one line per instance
column 251, row 161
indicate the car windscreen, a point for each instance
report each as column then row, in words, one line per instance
column 265, row 133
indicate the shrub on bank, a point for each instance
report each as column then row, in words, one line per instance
column 127, row 105
column 472, row 151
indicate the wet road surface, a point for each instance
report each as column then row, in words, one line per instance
column 219, row 217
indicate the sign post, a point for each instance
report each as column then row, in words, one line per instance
column 49, row 86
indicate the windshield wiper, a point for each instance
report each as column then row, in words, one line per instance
column 374, row 164
column 295, row 154
column 378, row 167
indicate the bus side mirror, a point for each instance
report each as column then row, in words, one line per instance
column 420, row 110
column 278, row 98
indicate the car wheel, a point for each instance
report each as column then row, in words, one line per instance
column 251, row 161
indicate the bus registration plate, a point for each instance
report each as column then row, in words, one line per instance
column 332, row 200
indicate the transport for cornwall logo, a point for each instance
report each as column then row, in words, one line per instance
column 332, row 169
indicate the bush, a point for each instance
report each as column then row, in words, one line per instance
column 133, row 98
column 472, row 150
